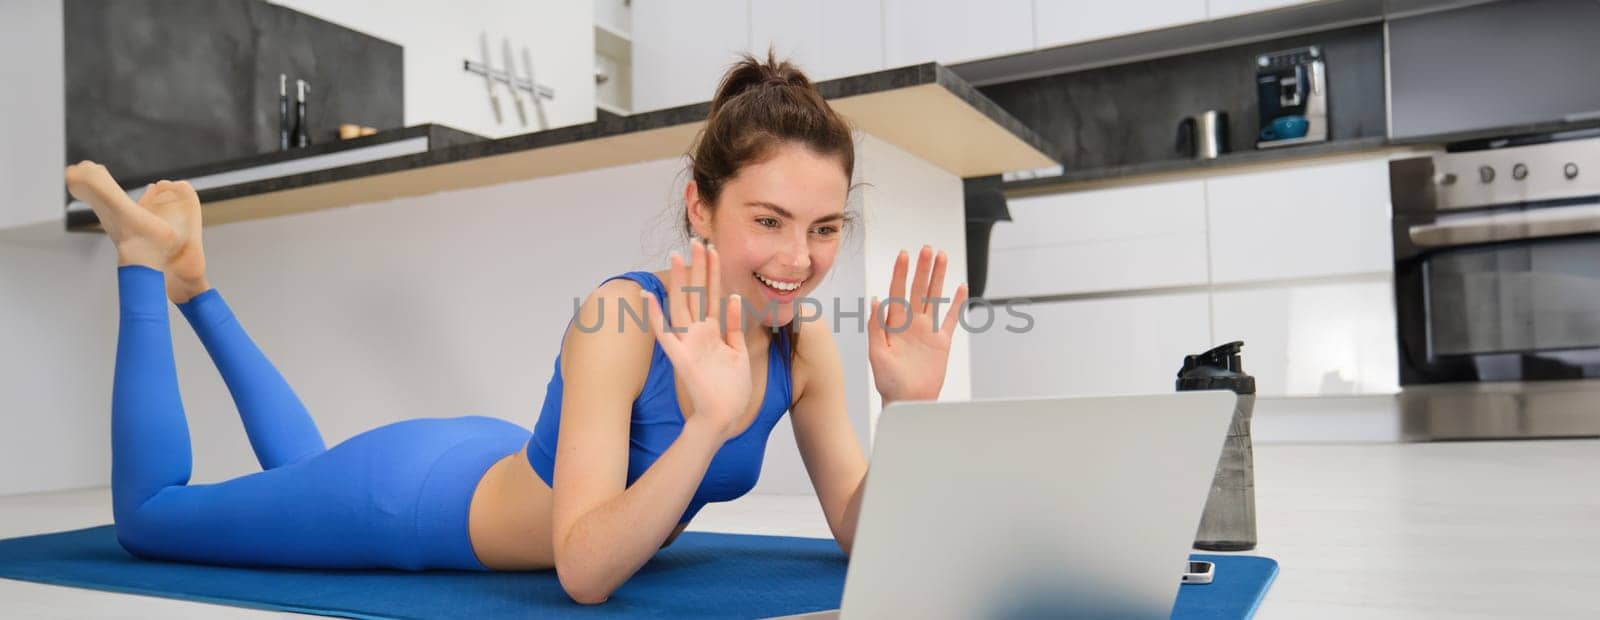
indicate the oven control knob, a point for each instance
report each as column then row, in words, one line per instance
column 1448, row 178
column 1519, row 172
column 1486, row 174
column 1571, row 170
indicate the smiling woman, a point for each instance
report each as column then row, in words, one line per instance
column 642, row 425
column 663, row 423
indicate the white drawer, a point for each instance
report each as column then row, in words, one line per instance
column 1315, row 339
column 1121, row 345
column 1311, row 221
column 954, row 31
column 1228, row 8
column 1064, row 23
column 1117, row 239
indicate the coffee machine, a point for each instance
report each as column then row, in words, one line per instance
column 1292, row 87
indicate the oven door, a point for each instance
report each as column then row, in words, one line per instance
column 1502, row 310
column 1498, row 317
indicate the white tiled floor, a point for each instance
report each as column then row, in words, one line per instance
column 1450, row 530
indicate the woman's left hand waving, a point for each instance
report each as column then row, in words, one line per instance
column 910, row 351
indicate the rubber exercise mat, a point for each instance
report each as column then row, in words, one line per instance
column 702, row 575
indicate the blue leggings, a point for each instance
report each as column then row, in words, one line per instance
column 393, row 497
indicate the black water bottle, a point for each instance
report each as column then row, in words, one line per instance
column 1229, row 520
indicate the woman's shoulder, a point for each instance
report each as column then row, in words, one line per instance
column 816, row 355
column 610, row 334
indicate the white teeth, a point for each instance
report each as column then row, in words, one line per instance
column 778, row 285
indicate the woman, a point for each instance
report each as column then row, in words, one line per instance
column 641, row 426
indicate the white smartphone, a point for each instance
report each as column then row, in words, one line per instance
column 1199, row 572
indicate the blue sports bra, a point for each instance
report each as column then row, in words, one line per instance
column 657, row 419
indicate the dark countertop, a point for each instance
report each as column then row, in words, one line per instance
column 462, row 148
column 1543, row 127
column 439, row 136
column 1041, row 185
column 1172, row 166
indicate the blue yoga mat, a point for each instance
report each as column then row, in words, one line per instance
column 701, row 575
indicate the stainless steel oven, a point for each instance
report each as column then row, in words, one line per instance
column 1497, row 288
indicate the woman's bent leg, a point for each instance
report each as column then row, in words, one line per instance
column 149, row 435
column 281, row 431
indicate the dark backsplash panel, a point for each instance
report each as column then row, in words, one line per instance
column 1128, row 114
column 159, row 85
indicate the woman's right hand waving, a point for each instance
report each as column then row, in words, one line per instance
column 709, row 354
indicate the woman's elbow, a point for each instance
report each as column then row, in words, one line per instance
column 583, row 591
column 845, row 541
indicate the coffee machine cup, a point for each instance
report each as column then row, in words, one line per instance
column 1285, row 128
column 1203, row 136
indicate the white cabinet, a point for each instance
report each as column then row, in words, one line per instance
column 438, row 36
column 1310, row 221
column 1063, row 23
column 1314, row 339
column 1137, row 237
column 1121, row 345
column 827, row 39
column 681, row 50
column 614, row 15
column 952, row 31
column 1219, row 9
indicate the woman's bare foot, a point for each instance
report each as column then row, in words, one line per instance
column 179, row 205
column 142, row 237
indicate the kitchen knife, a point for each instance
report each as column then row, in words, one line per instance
column 511, row 81
column 488, row 75
column 538, row 99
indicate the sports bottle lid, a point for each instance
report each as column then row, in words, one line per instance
column 1217, row 369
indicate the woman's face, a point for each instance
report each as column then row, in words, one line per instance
column 776, row 228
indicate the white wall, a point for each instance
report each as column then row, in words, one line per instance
column 54, row 291
column 33, row 116
column 910, row 203
column 438, row 36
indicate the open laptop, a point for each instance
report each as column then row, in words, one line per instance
column 1027, row 508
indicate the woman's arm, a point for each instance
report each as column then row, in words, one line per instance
column 828, row 445
column 603, row 528
column 908, row 363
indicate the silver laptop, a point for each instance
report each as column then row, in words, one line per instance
column 1027, row 508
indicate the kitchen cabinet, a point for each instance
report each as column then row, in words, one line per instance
column 438, row 36
column 1323, row 339
column 1120, row 345
column 1307, row 221
column 1136, row 237
column 1218, row 9
column 952, row 31
column 614, row 15
column 827, row 39
column 680, row 51
column 1063, row 23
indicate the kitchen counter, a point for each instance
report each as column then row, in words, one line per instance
column 1145, row 172
column 1449, row 530
column 1244, row 159
column 924, row 110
